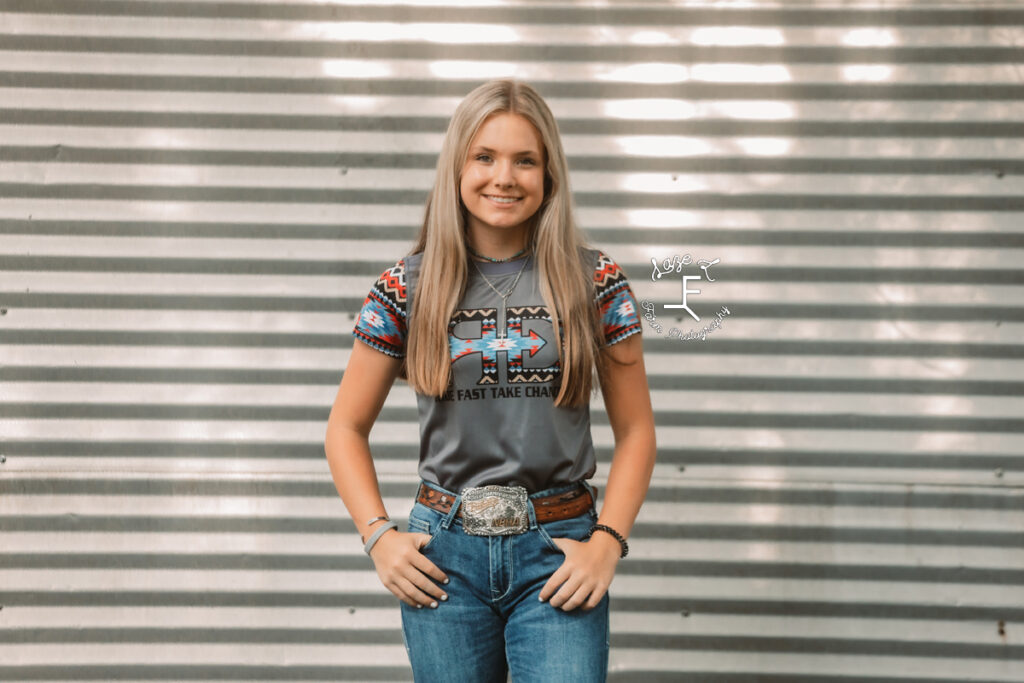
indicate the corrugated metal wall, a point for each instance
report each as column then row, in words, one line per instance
column 196, row 196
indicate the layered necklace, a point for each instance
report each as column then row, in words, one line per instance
column 504, row 296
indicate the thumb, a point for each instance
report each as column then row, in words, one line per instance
column 421, row 539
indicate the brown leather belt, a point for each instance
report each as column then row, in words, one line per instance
column 551, row 508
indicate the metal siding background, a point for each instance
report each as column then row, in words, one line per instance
column 195, row 198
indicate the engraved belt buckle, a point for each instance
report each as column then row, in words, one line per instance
column 494, row 510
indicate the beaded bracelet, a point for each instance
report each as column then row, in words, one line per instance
column 613, row 532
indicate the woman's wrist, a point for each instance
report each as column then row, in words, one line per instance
column 371, row 525
column 606, row 543
column 375, row 536
column 615, row 539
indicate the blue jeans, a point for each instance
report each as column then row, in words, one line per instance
column 493, row 623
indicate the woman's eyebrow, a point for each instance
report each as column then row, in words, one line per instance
column 488, row 149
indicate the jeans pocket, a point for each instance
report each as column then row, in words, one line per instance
column 575, row 528
column 423, row 520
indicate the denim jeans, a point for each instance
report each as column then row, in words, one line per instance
column 493, row 623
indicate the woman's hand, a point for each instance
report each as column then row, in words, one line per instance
column 585, row 573
column 405, row 571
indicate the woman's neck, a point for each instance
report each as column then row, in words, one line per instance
column 489, row 251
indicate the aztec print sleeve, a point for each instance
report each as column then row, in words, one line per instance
column 615, row 299
column 382, row 319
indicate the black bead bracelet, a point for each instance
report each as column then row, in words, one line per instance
column 613, row 532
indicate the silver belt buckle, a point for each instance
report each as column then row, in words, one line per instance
column 494, row 510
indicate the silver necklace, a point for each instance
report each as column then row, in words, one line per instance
column 504, row 297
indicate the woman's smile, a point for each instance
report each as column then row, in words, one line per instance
column 502, row 200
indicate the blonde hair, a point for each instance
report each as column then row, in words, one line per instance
column 553, row 233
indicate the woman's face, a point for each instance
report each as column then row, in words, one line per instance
column 502, row 182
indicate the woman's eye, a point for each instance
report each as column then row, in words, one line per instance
column 482, row 157
column 529, row 161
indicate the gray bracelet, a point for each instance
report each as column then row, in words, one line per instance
column 372, row 522
column 377, row 534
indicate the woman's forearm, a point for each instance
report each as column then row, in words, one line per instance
column 402, row 568
column 355, row 478
column 628, row 479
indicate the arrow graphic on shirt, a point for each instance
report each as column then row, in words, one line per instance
column 514, row 343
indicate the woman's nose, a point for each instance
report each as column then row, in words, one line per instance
column 503, row 173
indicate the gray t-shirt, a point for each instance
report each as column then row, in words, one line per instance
column 497, row 423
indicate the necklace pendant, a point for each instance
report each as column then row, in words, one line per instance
column 501, row 322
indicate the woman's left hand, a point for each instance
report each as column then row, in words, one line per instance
column 585, row 573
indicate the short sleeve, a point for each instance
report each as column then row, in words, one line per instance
column 382, row 319
column 615, row 301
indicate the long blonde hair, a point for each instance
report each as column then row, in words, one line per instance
column 553, row 233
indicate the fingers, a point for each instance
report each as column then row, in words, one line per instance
column 426, row 587
column 585, row 598
column 411, row 591
column 407, row 592
column 404, row 570
column 575, row 583
column 566, row 596
column 595, row 598
column 422, row 563
column 563, row 572
column 577, row 592
column 554, row 581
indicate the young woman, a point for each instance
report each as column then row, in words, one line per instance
column 499, row 318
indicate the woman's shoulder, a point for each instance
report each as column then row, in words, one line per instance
column 404, row 264
column 607, row 272
column 411, row 261
column 392, row 283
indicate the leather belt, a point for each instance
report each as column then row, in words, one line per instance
column 551, row 508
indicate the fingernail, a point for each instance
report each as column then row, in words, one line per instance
column 446, row 580
column 540, row 598
column 444, row 597
column 433, row 603
column 418, row 606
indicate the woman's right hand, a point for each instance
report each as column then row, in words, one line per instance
column 405, row 571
